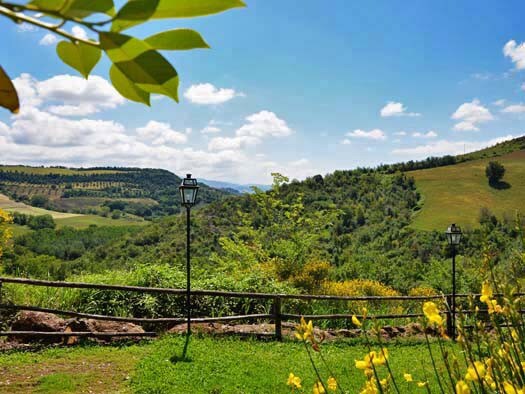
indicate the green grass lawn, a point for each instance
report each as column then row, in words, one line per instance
column 455, row 194
column 219, row 366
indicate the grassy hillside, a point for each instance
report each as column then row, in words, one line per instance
column 456, row 193
column 140, row 192
column 63, row 219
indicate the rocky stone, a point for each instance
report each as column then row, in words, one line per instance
column 38, row 321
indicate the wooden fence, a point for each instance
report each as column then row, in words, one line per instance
column 277, row 316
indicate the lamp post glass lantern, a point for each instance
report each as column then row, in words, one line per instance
column 188, row 193
column 454, row 238
column 454, row 235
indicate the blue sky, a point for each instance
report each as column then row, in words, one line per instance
column 298, row 87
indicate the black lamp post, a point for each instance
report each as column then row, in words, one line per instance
column 454, row 238
column 188, row 193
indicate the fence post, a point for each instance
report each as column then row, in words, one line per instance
column 277, row 318
column 450, row 328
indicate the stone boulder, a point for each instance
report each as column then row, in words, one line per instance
column 92, row 325
column 38, row 321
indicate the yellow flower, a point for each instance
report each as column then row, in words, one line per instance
column 332, row 384
column 421, row 384
column 364, row 363
column 486, row 292
column 369, row 388
column 318, row 388
column 408, row 377
column 462, row 387
column 432, row 313
column 356, row 321
column 494, row 307
column 476, row 371
column 303, row 331
column 5, row 217
column 379, row 358
column 509, row 389
column 376, row 358
column 294, row 381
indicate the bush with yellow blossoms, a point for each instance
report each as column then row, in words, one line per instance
column 5, row 232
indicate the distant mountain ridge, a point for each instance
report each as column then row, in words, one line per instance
column 241, row 188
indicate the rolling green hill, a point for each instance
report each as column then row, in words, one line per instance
column 456, row 193
column 102, row 191
column 63, row 219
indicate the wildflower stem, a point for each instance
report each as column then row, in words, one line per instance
column 313, row 365
column 331, row 373
column 433, row 363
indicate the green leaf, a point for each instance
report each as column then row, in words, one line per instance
column 8, row 95
column 49, row 5
column 82, row 57
column 192, row 8
column 84, row 8
column 133, row 14
column 178, row 40
column 141, row 64
column 127, row 88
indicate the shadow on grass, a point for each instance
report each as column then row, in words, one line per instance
column 500, row 185
column 184, row 358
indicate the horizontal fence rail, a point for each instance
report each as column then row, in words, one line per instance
column 276, row 314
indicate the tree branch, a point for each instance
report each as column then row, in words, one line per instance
column 20, row 17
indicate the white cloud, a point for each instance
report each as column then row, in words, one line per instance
column 445, row 147
column 401, row 133
column 465, row 126
column 206, row 93
column 514, row 109
column 232, row 143
column 48, row 39
column 211, row 130
column 516, row 53
column 38, row 137
column 26, row 86
column 35, row 127
column 430, row 134
column 470, row 115
column 346, row 141
column 482, row 76
column 375, row 134
column 79, row 32
column 259, row 126
column 300, row 163
column 396, row 109
column 26, row 27
column 499, row 103
column 263, row 124
column 159, row 133
column 68, row 95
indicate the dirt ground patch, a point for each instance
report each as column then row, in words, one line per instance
column 87, row 370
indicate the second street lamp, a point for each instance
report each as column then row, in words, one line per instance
column 453, row 238
column 188, row 193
